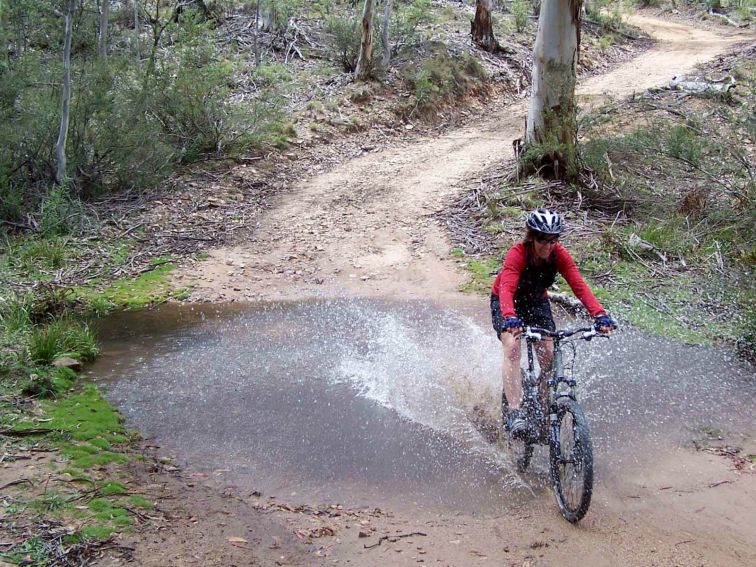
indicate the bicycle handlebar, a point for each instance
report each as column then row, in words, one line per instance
column 537, row 334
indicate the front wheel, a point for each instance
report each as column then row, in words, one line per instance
column 571, row 456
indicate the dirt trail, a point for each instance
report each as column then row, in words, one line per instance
column 365, row 228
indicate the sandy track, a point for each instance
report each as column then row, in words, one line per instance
column 364, row 227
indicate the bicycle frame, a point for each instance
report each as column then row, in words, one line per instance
column 566, row 431
column 535, row 407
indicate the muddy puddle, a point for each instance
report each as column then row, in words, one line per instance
column 370, row 402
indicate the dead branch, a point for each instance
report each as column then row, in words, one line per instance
column 393, row 538
column 728, row 20
column 570, row 303
column 28, row 432
column 16, row 482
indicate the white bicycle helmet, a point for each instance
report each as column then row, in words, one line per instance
column 544, row 220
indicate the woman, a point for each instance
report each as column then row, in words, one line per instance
column 519, row 297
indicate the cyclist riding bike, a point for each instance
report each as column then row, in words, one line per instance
column 519, row 298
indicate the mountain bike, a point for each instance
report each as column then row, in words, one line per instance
column 561, row 425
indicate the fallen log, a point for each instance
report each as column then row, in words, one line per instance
column 699, row 86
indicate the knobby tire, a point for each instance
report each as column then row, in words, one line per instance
column 571, row 457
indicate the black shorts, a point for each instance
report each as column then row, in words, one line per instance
column 534, row 312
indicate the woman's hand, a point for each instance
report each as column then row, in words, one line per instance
column 604, row 324
column 513, row 325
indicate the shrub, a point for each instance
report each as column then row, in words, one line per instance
column 42, row 254
column 683, row 143
column 344, row 32
column 15, row 314
column 60, row 214
column 443, row 75
column 11, row 201
column 408, row 18
column 520, row 11
column 60, row 337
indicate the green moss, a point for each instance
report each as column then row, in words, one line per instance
column 112, row 488
column 48, row 382
column 150, row 288
column 98, row 532
column 139, row 501
column 89, row 426
column 482, row 274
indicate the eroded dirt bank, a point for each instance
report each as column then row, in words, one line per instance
column 365, row 229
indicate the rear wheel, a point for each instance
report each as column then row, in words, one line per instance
column 571, row 455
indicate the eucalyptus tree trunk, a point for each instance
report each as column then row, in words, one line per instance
column 385, row 33
column 552, row 120
column 481, row 28
column 60, row 147
column 365, row 62
column 102, row 39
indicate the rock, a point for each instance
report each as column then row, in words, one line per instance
column 67, row 362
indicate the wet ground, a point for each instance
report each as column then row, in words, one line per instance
column 371, row 402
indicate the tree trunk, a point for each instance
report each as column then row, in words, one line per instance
column 136, row 34
column 102, row 39
column 60, row 147
column 552, row 121
column 365, row 62
column 257, row 33
column 481, row 27
column 385, row 33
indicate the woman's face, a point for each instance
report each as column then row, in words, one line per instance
column 543, row 244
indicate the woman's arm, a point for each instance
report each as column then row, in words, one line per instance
column 569, row 270
column 508, row 278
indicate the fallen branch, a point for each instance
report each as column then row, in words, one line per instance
column 728, row 20
column 27, row 432
column 393, row 538
column 571, row 303
column 15, row 482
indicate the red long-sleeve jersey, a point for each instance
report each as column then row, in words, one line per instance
column 518, row 277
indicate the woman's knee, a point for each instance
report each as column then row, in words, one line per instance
column 510, row 346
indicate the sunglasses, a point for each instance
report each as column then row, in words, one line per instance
column 546, row 239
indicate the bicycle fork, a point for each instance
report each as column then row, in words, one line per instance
column 559, row 387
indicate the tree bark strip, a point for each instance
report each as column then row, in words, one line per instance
column 60, row 147
column 102, row 38
column 365, row 62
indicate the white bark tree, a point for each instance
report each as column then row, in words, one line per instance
column 102, row 34
column 65, row 104
column 481, row 28
column 364, row 69
column 552, row 121
column 386, row 59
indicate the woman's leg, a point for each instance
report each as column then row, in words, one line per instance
column 511, row 370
